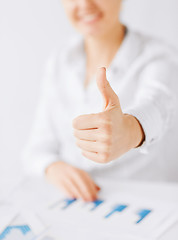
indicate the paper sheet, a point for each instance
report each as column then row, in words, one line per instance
column 126, row 216
column 116, row 215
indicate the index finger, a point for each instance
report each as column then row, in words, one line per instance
column 85, row 122
column 87, row 186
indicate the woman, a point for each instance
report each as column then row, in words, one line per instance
column 119, row 141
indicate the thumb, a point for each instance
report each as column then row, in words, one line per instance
column 110, row 97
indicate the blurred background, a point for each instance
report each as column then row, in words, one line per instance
column 29, row 31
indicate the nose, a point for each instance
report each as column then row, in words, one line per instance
column 86, row 3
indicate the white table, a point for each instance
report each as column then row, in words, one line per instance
column 33, row 192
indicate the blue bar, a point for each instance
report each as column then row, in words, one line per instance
column 142, row 214
column 118, row 208
column 97, row 203
column 24, row 230
column 69, row 201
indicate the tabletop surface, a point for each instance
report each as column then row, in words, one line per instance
column 37, row 189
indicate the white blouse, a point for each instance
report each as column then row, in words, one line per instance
column 143, row 73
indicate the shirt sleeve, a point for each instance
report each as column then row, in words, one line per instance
column 155, row 104
column 42, row 148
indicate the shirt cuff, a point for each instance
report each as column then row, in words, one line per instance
column 151, row 122
column 37, row 165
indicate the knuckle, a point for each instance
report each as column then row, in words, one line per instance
column 101, row 116
column 75, row 133
column 80, row 173
column 106, row 138
column 78, row 143
column 62, row 183
column 106, row 148
column 107, row 126
column 94, row 115
column 75, row 122
column 105, row 157
column 90, row 157
column 87, row 155
column 76, row 176
column 84, row 154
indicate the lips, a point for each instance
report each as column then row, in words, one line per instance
column 90, row 18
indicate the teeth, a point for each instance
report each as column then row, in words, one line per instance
column 90, row 17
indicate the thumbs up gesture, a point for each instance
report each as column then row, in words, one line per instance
column 107, row 135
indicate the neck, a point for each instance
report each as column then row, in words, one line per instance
column 101, row 50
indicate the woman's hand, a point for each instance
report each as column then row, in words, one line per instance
column 73, row 181
column 107, row 135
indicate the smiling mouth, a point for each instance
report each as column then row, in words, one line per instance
column 90, row 18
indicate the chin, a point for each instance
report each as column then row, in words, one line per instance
column 93, row 28
column 92, row 32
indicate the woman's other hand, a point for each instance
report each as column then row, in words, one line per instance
column 73, row 181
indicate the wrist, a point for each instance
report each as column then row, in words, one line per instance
column 135, row 131
column 51, row 167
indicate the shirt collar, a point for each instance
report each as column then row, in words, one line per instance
column 128, row 51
